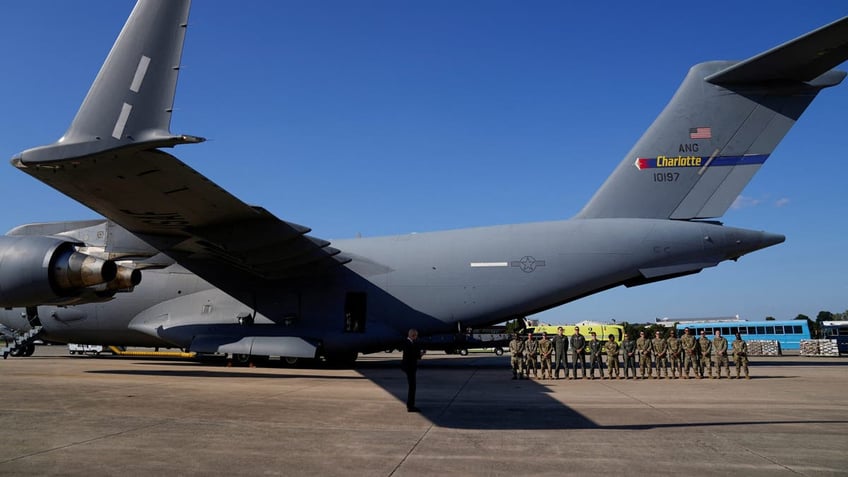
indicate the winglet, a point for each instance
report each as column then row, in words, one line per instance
column 802, row 59
column 132, row 96
column 131, row 100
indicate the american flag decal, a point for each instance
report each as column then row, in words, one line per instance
column 700, row 133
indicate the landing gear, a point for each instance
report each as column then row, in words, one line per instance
column 241, row 358
column 24, row 350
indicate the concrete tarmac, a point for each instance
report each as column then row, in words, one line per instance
column 63, row 415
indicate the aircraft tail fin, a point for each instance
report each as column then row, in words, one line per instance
column 718, row 130
column 132, row 97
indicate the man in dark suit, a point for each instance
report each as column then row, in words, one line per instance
column 409, row 364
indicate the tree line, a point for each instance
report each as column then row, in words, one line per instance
column 816, row 325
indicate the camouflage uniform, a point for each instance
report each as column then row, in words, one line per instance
column 596, row 350
column 516, row 352
column 660, row 349
column 545, row 352
column 740, row 356
column 629, row 349
column 644, row 346
column 675, row 355
column 706, row 348
column 612, row 360
column 690, row 351
column 720, row 347
column 578, row 353
column 560, row 354
column 531, row 352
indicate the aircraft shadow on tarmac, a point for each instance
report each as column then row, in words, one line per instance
column 185, row 373
column 449, row 399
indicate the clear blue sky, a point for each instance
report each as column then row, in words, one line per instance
column 388, row 117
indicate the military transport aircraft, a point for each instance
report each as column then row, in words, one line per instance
column 222, row 276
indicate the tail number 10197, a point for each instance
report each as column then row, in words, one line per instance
column 666, row 176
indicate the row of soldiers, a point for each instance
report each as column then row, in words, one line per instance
column 671, row 357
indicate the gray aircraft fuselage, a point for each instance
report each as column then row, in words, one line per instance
column 434, row 281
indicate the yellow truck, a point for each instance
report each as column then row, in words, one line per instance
column 602, row 331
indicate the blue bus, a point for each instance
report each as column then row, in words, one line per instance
column 788, row 333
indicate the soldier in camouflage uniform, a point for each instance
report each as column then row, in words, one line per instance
column 660, row 349
column 628, row 347
column 690, row 352
column 720, row 347
column 545, row 351
column 560, row 352
column 516, row 353
column 531, row 353
column 611, row 347
column 705, row 346
column 675, row 354
column 578, row 352
column 740, row 355
column 643, row 345
column 596, row 349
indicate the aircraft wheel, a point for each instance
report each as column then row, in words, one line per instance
column 29, row 350
column 463, row 352
column 498, row 352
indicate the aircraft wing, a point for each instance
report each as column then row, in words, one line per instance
column 110, row 159
column 182, row 213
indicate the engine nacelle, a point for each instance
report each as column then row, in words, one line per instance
column 37, row 270
column 125, row 279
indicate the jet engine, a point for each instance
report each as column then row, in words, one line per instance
column 38, row 270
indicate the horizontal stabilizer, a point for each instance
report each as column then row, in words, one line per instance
column 802, row 59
